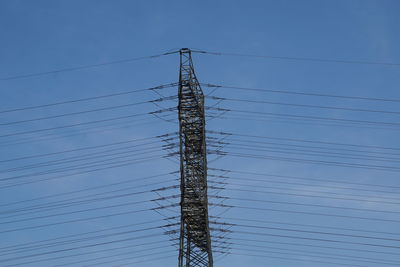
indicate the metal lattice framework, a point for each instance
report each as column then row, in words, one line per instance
column 195, row 241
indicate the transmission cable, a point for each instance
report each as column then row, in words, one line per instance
column 89, row 209
column 82, row 219
column 330, row 180
column 89, row 147
column 306, row 212
column 362, row 152
column 81, row 123
column 91, row 252
column 306, row 152
column 309, row 231
column 89, row 156
column 319, row 239
column 86, row 189
column 307, row 225
column 295, row 183
column 308, row 117
column 301, row 257
column 314, row 162
column 87, row 111
column 115, row 255
column 307, row 205
column 218, row 53
column 319, row 254
column 35, row 245
column 319, row 246
column 351, row 257
column 365, row 199
column 302, row 140
column 74, row 248
column 85, row 66
column 81, row 200
column 297, row 121
column 130, row 263
column 265, row 90
column 293, row 259
column 79, row 166
column 117, row 165
column 301, row 105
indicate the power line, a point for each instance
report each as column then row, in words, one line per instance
column 306, row 212
column 297, row 121
column 304, row 140
column 326, row 193
column 88, row 98
column 82, row 200
column 81, row 219
column 374, row 200
column 79, row 124
column 309, row 161
column 73, row 241
column 309, row 231
column 35, row 245
column 351, row 257
column 320, row 239
column 89, row 156
column 333, row 256
column 305, row 255
column 89, row 209
column 115, row 255
column 87, row 111
column 90, row 252
column 218, row 53
column 149, row 260
column 293, row 259
column 302, row 184
column 330, row 180
column 116, row 165
column 82, row 131
column 74, row 248
column 322, row 148
column 308, row 225
column 301, row 105
column 80, row 166
column 128, row 258
column 86, row 189
column 319, row 246
column 309, row 117
column 81, row 67
column 87, row 148
column 265, row 90
column 307, row 205
column 307, row 152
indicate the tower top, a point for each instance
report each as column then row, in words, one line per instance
column 185, row 50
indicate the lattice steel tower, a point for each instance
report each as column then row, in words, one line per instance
column 195, row 241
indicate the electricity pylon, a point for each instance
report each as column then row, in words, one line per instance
column 195, row 241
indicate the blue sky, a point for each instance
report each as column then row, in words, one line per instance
column 38, row 36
